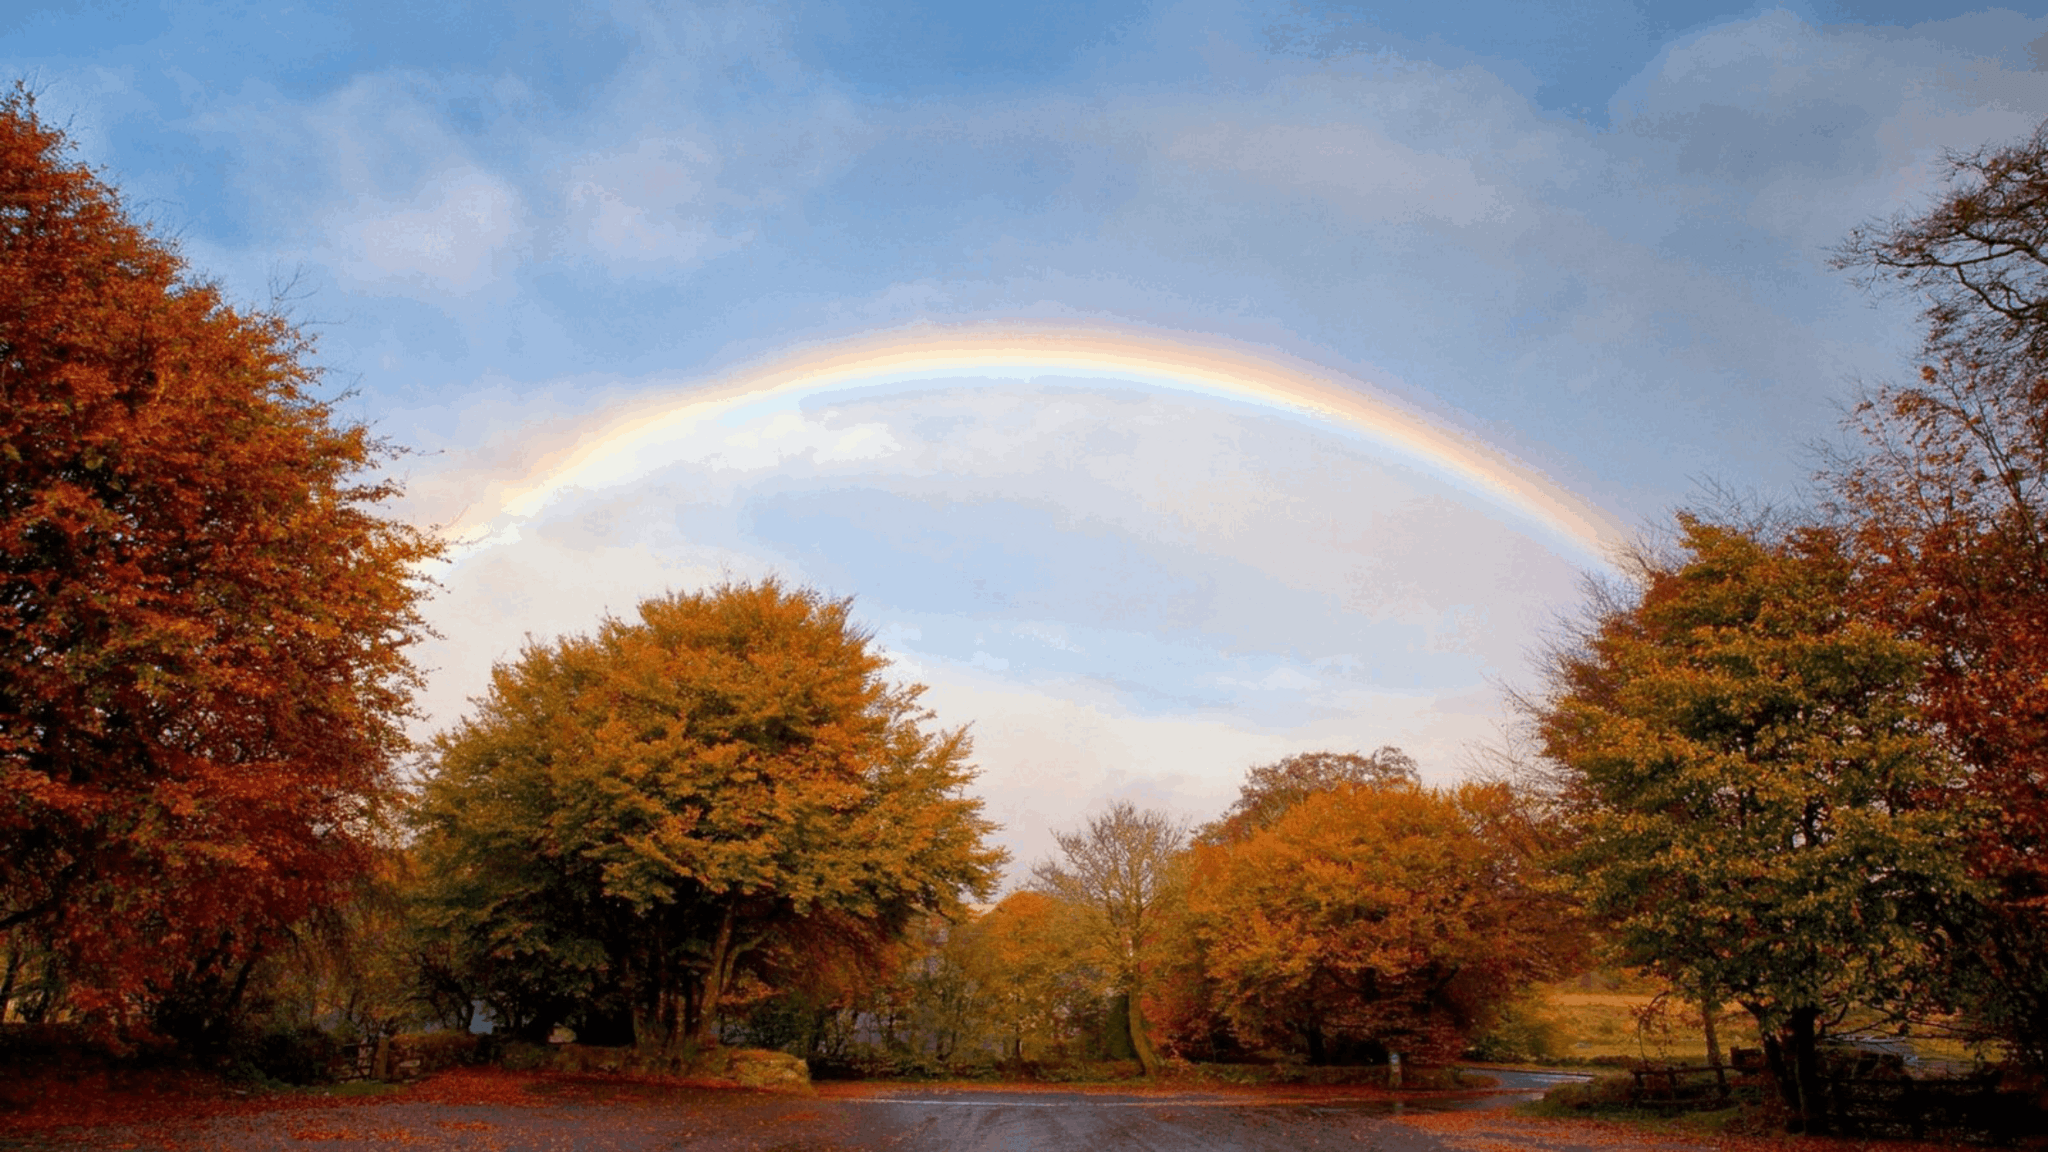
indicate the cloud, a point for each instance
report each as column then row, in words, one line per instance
column 454, row 236
column 648, row 210
column 1377, row 178
column 1131, row 595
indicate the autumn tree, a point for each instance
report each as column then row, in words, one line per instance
column 1120, row 875
column 1187, row 1004
column 1944, row 498
column 1384, row 917
column 204, row 611
column 1762, row 809
column 640, row 814
column 1269, row 790
column 1027, row 965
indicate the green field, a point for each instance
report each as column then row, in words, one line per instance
column 1636, row 1025
column 1633, row 1018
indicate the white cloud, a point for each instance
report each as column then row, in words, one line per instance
column 648, row 209
column 454, row 235
column 1376, row 178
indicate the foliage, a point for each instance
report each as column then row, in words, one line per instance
column 638, row 816
column 1025, row 957
column 1520, row 1031
column 1120, row 876
column 1385, row 917
column 203, row 613
column 1762, row 809
column 1976, row 256
column 1270, row 790
column 1946, row 505
column 353, row 969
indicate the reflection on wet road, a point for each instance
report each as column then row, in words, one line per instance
column 987, row 1121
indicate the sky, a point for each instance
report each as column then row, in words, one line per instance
column 1394, row 320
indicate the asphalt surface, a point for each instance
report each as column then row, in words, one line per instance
column 985, row 1123
column 900, row 1119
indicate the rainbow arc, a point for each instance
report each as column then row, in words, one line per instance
column 1172, row 362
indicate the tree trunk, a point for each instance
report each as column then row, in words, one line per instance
column 1318, row 1052
column 13, row 970
column 703, row 1032
column 1709, row 1009
column 1775, row 1059
column 644, row 982
column 1141, row 1043
column 1813, row 1105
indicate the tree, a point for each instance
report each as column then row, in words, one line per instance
column 1388, row 917
column 1946, row 507
column 1120, row 875
column 203, row 611
column 1187, row 1003
column 1761, row 808
column 1978, row 256
column 633, row 817
column 1027, row 970
column 1270, row 790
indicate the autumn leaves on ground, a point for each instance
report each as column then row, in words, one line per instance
column 1794, row 768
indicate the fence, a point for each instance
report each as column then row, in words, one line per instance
column 1857, row 1100
column 408, row 1056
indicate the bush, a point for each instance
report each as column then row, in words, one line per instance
column 1602, row 1094
column 289, row 1055
column 419, row 1053
column 520, row 1056
column 1523, row 1033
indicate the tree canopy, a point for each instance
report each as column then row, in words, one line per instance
column 1945, row 502
column 639, row 813
column 1120, row 874
column 1760, row 808
column 203, row 609
column 1269, row 790
column 1383, row 915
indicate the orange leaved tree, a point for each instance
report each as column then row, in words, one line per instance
column 203, row 615
column 1945, row 507
column 1390, row 916
column 633, row 820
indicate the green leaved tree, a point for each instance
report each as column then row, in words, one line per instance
column 1763, row 811
column 631, row 817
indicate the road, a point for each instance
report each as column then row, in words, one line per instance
column 490, row 1110
column 989, row 1121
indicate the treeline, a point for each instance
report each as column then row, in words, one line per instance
column 1338, row 913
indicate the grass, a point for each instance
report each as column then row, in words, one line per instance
column 1612, row 1018
column 1634, row 1025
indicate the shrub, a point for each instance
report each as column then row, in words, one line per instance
column 290, row 1055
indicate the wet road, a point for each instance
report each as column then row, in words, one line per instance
column 479, row 1112
column 987, row 1121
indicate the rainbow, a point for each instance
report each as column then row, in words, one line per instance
column 1174, row 362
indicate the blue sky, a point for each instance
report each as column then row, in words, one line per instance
column 1594, row 235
